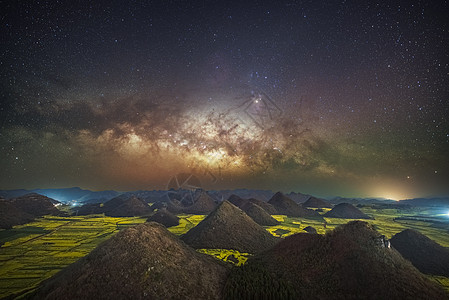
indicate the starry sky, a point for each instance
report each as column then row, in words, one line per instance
column 331, row 98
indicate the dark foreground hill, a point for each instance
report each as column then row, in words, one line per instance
column 287, row 206
column 310, row 229
column 228, row 227
column 265, row 205
column 237, row 200
column 203, row 204
column 35, row 204
column 426, row 255
column 164, row 217
column 11, row 215
column 142, row 262
column 123, row 206
column 126, row 205
column 88, row 209
column 317, row 203
column 348, row 263
column 259, row 215
column 240, row 202
column 298, row 197
column 25, row 209
column 346, row 211
column 188, row 202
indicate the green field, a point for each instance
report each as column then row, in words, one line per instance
column 383, row 222
column 232, row 256
column 33, row 252
column 186, row 222
column 441, row 280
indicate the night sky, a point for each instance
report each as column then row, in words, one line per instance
column 331, row 98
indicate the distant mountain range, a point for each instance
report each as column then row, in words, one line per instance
column 65, row 195
column 78, row 196
column 426, row 201
column 354, row 201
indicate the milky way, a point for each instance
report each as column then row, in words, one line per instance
column 338, row 98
